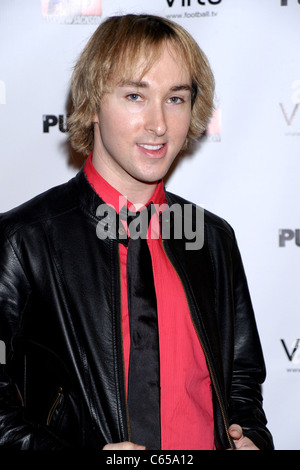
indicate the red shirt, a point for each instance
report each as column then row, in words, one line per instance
column 186, row 396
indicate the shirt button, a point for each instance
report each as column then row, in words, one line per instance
column 121, row 231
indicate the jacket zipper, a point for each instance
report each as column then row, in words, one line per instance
column 206, row 356
column 54, row 406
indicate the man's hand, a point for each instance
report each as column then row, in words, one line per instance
column 241, row 442
column 123, row 446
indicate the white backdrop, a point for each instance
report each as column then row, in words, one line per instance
column 246, row 169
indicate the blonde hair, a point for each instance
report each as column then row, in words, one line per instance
column 110, row 57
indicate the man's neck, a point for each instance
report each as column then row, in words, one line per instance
column 137, row 192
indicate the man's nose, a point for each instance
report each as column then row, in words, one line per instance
column 155, row 119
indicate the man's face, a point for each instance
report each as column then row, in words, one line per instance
column 143, row 124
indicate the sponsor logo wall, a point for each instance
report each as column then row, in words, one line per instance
column 246, row 168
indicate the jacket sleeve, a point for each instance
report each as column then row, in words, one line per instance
column 15, row 292
column 246, row 402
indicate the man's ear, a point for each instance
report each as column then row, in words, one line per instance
column 95, row 119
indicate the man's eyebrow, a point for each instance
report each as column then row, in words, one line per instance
column 181, row 87
column 143, row 84
column 134, row 83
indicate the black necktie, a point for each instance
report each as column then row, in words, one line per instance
column 143, row 376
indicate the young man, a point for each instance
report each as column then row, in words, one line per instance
column 97, row 356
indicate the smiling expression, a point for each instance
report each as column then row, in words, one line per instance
column 142, row 124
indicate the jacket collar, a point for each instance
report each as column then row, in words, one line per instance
column 107, row 218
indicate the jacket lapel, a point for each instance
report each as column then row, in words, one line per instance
column 195, row 269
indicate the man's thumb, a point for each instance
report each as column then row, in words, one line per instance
column 235, row 431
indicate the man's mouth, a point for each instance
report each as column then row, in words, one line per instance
column 151, row 147
column 154, row 151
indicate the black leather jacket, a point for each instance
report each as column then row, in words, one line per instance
column 60, row 318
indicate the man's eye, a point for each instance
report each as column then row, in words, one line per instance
column 134, row 97
column 175, row 100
